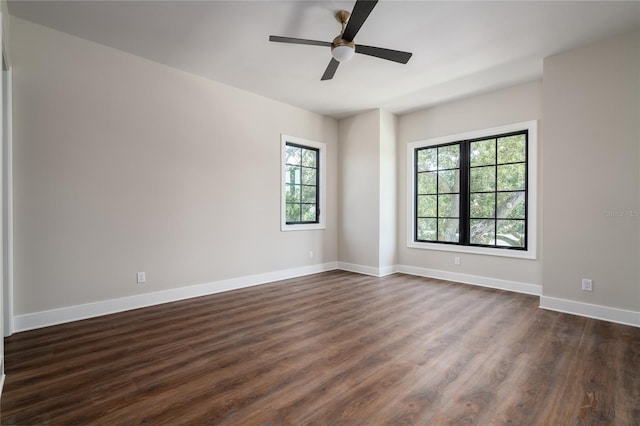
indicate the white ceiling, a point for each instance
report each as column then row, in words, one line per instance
column 459, row 48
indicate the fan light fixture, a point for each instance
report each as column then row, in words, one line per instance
column 343, row 47
column 342, row 53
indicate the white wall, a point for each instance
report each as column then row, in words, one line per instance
column 359, row 213
column 4, row 283
column 591, row 164
column 388, row 190
column 513, row 105
column 368, row 195
column 124, row 165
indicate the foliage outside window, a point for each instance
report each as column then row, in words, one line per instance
column 303, row 184
column 473, row 192
column 301, row 165
column 438, row 193
column 498, row 189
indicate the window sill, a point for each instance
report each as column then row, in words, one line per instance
column 519, row 254
column 303, row 227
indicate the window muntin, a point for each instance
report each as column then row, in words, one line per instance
column 473, row 192
column 301, row 184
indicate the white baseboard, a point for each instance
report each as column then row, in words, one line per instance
column 90, row 310
column 367, row 270
column 514, row 286
column 620, row 316
column 74, row 313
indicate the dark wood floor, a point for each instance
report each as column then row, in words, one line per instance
column 328, row 349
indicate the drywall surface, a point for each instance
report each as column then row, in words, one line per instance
column 388, row 189
column 123, row 165
column 591, row 164
column 359, row 199
column 508, row 106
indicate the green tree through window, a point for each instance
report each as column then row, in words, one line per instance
column 302, row 184
column 438, row 194
column 473, row 192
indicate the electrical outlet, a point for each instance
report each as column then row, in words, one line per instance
column 456, row 260
column 310, row 254
column 587, row 285
column 141, row 277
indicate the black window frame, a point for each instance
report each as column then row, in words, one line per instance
column 317, row 169
column 465, row 192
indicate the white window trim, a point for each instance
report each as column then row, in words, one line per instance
column 321, row 147
column 532, row 191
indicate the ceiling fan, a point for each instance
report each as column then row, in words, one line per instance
column 343, row 47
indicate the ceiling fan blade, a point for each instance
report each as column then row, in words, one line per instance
column 360, row 13
column 331, row 70
column 299, row 41
column 388, row 54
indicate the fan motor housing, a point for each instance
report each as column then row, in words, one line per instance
column 339, row 41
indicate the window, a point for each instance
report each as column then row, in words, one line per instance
column 474, row 192
column 302, row 184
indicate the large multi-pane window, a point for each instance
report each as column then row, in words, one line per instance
column 303, row 187
column 473, row 192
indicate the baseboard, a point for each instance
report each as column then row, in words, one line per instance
column 367, row 270
column 91, row 310
column 514, row 286
column 79, row 312
column 606, row 313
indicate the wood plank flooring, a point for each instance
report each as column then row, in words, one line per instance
column 329, row 349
